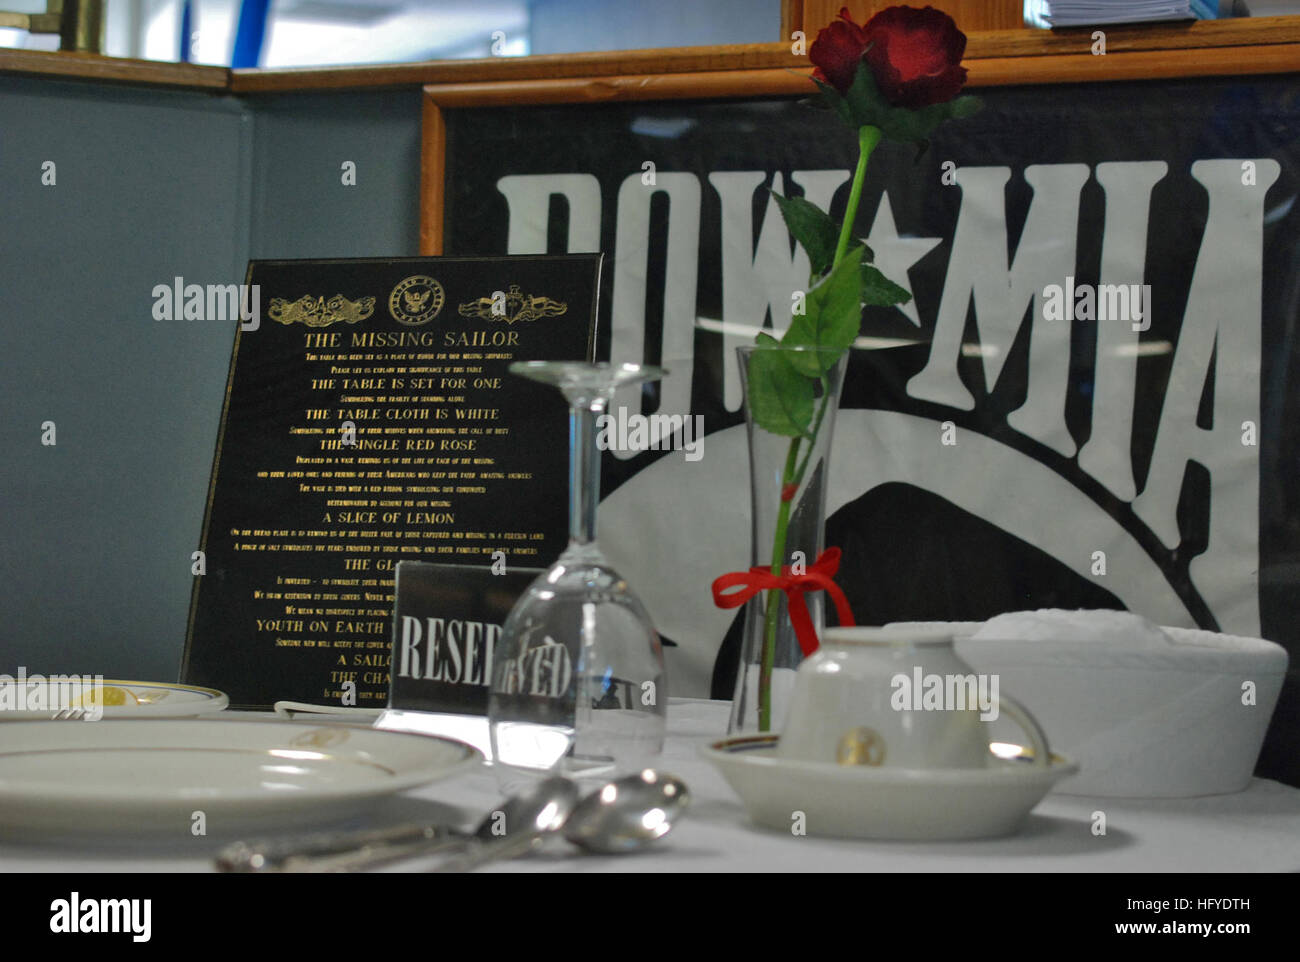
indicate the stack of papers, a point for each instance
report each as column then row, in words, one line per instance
column 1078, row 13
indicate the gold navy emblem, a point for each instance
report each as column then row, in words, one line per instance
column 319, row 738
column 318, row 312
column 513, row 305
column 860, row 746
column 417, row 300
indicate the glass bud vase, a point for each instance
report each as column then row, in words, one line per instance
column 788, row 478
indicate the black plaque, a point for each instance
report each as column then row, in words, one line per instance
column 369, row 418
column 446, row 625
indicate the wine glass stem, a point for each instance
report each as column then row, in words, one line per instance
column 584, row 468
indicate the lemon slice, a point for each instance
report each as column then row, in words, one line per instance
column 109, row 696
column 115, row 697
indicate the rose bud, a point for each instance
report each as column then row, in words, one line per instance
column 837, row 51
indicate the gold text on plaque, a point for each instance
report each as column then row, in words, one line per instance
column 416, row 300
column 513, row 305
column 318, row 312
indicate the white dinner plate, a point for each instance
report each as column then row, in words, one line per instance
column 121, row 699
column 163, row 778
column 858, row 801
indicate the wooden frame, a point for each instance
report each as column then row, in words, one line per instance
column 771, row 70
column 670, row 86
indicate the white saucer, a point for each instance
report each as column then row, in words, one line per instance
column 150, row 778
column 125, row 699
column 884, row 803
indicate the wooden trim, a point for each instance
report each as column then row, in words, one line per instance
column 549, row 66
column 1243, row 32
column 684, row 86
column 1139, row 65
column 1224, row 47
column 433, row 191
column 1231, row 36
column 991, row 72
column 969, row 14
column 433, row 182
column 792, row 19
column 89, row 66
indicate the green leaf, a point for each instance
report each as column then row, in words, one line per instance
column 831, row 319
column 811, row 227
column 867, row 104
column 830, row 97
column 879, row 291
column 913, row 126
column 780, row 398
column 966, row 106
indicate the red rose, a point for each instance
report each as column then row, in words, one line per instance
column 915, row 55
column 837, row 51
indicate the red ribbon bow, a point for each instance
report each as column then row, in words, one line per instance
column 816, row 578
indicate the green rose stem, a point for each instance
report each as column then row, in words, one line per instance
column 774, row 596
column 868, row 138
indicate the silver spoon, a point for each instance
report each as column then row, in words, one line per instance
column 628, row 814
column 622, row 817
column 542, row 810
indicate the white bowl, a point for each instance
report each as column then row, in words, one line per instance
column 855, row 801
column 1150, row 722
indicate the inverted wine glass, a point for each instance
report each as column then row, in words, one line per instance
column 578, row 673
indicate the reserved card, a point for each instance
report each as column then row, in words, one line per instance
column 446, row 624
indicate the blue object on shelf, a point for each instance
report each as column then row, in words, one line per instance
column 187, row 32
column 250, row 33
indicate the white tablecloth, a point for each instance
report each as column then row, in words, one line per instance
column 1254, row 830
